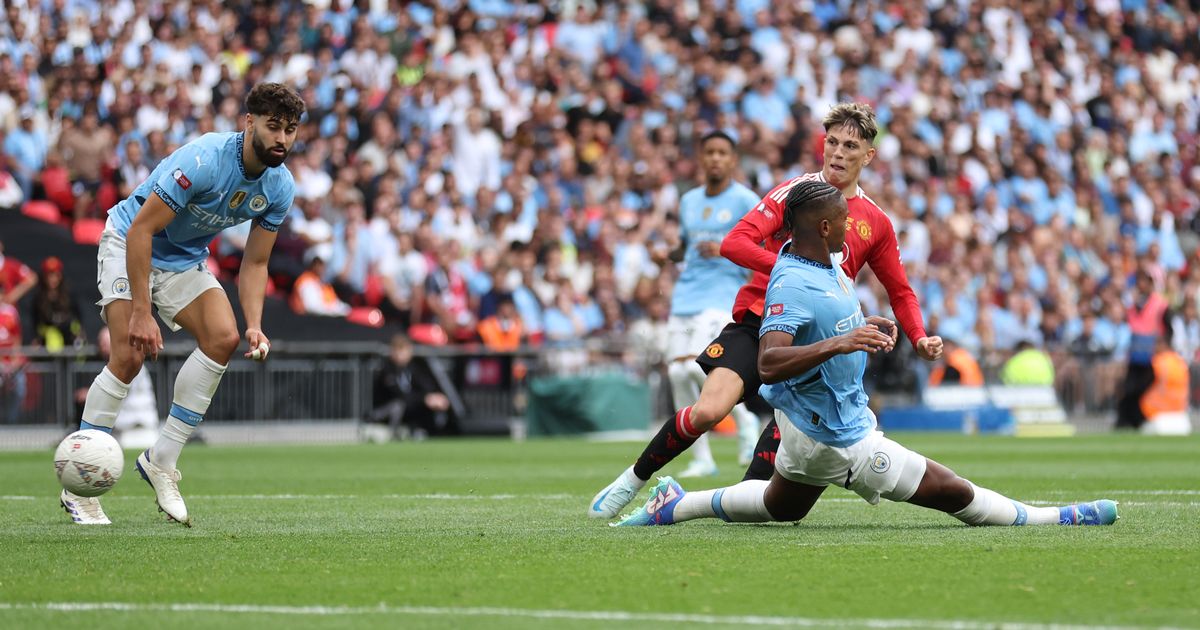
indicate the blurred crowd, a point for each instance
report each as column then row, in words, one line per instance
column 509, row 171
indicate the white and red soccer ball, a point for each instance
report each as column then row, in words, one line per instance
column 89, row 462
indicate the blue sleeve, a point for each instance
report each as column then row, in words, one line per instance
column 784, row 309
column 749, row 200
column 189, row 172
column 273, row 219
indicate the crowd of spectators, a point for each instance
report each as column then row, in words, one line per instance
column 460, row 159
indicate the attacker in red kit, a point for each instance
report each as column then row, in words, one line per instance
column 731, row 360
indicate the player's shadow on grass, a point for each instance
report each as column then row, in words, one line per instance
column 844, row 527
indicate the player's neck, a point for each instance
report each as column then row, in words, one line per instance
column 850, row 190
column 817, row 251
column 712, row 190
column 253, row 166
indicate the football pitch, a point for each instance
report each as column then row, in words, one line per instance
column 492, row 534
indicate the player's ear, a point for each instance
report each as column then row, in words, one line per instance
column 870, row 156
column 249, row 120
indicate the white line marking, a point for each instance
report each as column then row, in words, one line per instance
column 584, row 615
column 291, row 497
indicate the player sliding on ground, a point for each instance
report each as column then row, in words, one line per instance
column 153, row 251
column 730, row 361
column 813, row 351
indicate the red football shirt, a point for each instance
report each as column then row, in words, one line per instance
column 10, row 335
column 755, row 241
column 13, row 272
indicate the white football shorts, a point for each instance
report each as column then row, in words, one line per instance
column 689, row 335
column 170, row 291
column 873, row 467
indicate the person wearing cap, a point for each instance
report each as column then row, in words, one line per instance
column 56, row 320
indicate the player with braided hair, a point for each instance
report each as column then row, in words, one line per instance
column 731, row 359
column 814, row 348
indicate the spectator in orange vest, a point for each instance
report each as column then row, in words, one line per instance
column 957, row 368
column 1169, row 391
column 313, row 296
column 502, row 332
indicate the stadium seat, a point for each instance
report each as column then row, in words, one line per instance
column 366, row 316
column 42, row 211
column 428, row 334
column 87, row 231
column 57, row 184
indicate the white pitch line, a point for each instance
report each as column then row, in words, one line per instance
column 578, row 615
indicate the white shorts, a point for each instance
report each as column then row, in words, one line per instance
column 689, row 335
column 170, row 291
column 873, row 467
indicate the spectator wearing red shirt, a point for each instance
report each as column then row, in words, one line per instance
column 12, row 375
column 16, row 277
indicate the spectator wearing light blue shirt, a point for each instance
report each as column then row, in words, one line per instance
column 763, row 106
column 25, row 148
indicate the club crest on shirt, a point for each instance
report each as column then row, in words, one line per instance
column 714, row 351
column 258, row 203
column 237, row 199
column 181, row 179
column 724, row 216
column 864, row 230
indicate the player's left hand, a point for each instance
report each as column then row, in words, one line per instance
column 886, row 326
column 930, row 348
column 260, row 346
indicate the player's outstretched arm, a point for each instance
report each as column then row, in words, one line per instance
column 252, row 287
column 744, row 243
column 154, row 216
column 779, row 360
column 884, row 259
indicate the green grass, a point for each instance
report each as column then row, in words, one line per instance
column 359, row 529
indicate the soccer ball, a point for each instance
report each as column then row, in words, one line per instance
column 89, row 462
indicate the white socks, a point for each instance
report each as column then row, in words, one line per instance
column 992, row 508
column 742, row 503
column 103, row 402
column 194, row 388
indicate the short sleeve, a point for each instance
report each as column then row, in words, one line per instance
column 784, row 309
column 190, row 171
column 273, row 219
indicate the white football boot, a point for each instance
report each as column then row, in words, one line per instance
column 166, row 488
column 609, row 501
column 83, row 510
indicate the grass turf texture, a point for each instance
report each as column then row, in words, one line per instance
column 419, row 525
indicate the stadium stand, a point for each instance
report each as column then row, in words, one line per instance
column 1033, row 156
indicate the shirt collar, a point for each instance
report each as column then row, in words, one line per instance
column 783, row 251
column 241, row 143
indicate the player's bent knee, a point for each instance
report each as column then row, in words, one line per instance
column 221, row 345
column 125, row 368
column 706, row 416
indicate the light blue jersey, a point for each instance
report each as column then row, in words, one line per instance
column 813, row 302
column 205, row 183
column 709, row 283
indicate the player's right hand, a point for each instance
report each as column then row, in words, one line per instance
column 866, row 339
column 708, row 249
column 144, row 335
